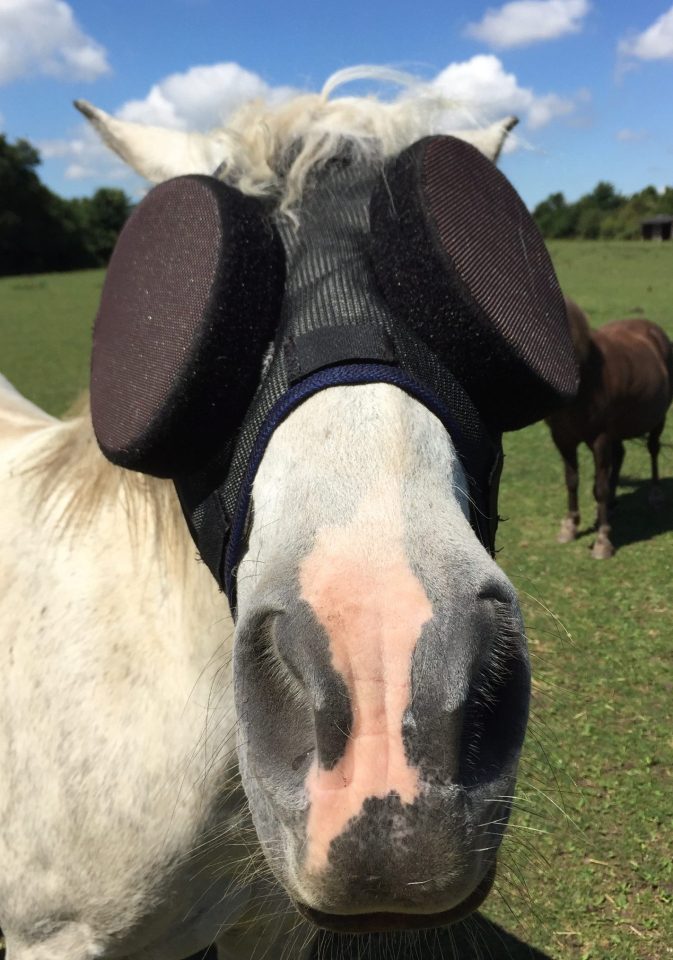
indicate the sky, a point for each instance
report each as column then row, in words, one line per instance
column 590, row 80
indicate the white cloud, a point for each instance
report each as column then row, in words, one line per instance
column 201, row 98
column 523, row 22
column 75, row 171
column 43, row 37
column 655, row 43
column 489, row 93
column 630, row 136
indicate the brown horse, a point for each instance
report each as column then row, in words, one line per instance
column 626, row 387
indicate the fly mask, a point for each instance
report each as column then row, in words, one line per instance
column 219, row 316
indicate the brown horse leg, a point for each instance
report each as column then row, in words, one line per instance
column 570, row 523
column 617, row 461
column 653, row 445
column 602, row 451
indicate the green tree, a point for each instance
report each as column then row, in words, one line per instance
column 101, row 217
column 603, row 212
column 604, row 197
column 40, row 231
column 555, row 217
column 36, row 231
column 588, row 225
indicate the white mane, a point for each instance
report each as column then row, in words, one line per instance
column 270, row 149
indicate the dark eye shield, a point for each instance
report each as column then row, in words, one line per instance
column 218, row 317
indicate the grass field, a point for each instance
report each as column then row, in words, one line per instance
column 587, row 869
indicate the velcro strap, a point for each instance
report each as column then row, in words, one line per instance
column 325, row 346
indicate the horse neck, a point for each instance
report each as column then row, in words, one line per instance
column 79, row 493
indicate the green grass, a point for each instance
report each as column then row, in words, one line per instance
column 596, row 774
column 45, row 334
column 612, row 280
column 601, row 639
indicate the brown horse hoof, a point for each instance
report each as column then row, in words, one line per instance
column 568, row 531
column 602, row 549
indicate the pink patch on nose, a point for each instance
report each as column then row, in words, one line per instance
column 373, row 608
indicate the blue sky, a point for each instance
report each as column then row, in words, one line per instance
column 592, row 80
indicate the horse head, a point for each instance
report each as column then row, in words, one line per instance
column 318, row 325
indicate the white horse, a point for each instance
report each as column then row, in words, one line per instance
column 125, row 831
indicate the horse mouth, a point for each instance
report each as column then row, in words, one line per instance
column 388, row 922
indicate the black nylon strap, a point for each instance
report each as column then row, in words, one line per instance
column 325, row 346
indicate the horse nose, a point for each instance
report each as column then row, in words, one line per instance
column 467, row 718
column 453, row 710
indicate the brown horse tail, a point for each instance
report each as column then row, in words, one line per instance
column 580, row 331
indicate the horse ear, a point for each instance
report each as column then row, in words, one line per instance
column 462, row 263
column 155, row 153
column 489, row 140
column 190, row 303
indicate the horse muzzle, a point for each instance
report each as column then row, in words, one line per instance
column 379, row 789
column 386, row 922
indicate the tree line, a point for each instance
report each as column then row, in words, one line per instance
column 42, row 232
column 602, row 214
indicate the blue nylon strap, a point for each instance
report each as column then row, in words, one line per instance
column 353, row 374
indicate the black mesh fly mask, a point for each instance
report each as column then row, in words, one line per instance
column 219, row 316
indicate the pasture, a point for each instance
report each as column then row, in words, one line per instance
column 587, row 867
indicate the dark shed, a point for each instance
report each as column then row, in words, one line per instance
column 657, row 228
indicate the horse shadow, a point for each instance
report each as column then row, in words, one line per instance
column 473, row 939
column 476, row 938
column 633, row 518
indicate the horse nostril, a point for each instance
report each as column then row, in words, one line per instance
column 303, row 650
column 496, row 710
column 300, row 760
column 496, row 591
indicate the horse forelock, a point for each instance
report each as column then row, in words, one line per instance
column 276, row 148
